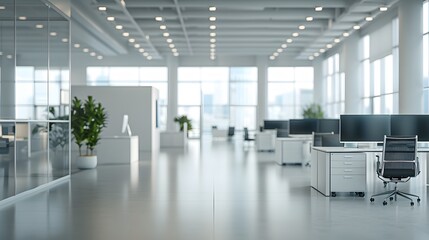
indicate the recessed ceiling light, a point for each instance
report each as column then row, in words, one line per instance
column 174, row 50
column 39, row 26
column 346, row 34
column 125, row 34
column 22, row 18
column 212, row 27
column 158, row 19
column 321, row 50
column 171, row 45
column 328, row 45
column 169, row 40
column 176, row 54
column 383, row 8
column 212, row 50
column 212, row 19
column 301, row 27
column 316, row 54
column 9, row 56
column 369, row 19
column 93, row 54
column 275, row 54
column 76, row 45
column 64, row 40
column 212, row 57
column 356, row 27
column 310, row 58
column 136, row 45
column 149, row 58
column 53, row 34
column 212, row 8
column 141, row 50
column 212, row 45
column 337, row 40
column 318, row 8
column 145, row 54
column 162, row 27
column 119, row 27
column 212, row 40
column 284, row 45
column 309, row 19
column 166, row 34
column 99, row 57
column 131, row 40
column 272, row 57
column 212, row 34
column 295, row 34
column 110, row 19
column 102, row 8
column 280, row 50
column 85, row 50
column 289, row 40
column 2, row 7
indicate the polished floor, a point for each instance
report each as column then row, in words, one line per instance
column 213, row 190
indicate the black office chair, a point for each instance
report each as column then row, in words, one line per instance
column 399, row 164
column 231, row 131
column 246, row 136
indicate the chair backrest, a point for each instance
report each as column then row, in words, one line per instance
column 326, row 140
column 399, row 157
column 246, row 133
column 231, row 131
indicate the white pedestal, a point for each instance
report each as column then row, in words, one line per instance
column 219, row 133
column 265, row 141
column 118, row 149
column 292, row 150
column 173, row 139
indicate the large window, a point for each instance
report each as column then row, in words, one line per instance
column 32, row 88
column 380, row 75
column 289, row 90
column 334, row 87
column 221, row 96
column 134, row 76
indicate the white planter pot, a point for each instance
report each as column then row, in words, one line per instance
column 86, row 162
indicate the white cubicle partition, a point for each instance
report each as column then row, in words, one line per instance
column 118, row 149
column 266, row 140
column 293, row 150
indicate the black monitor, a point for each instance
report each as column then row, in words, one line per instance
column 282, row 127
column 364, row 128
column 329, row 125
column 302, row 126
column 411, row 125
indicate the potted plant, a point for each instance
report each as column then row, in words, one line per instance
column 182, row 120
column 313, row 110
column 87, row 122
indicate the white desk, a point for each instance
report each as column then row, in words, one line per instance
column 293, row 150
column 173, row 139
column 118, row 149
column 219, row 133
column 266, row 140
column 338, row 169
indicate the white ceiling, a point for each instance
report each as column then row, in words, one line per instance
column 243, row 27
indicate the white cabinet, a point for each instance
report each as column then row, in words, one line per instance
column 340, row 171
column 173, row 139
column 292, row 150
column 265, row 141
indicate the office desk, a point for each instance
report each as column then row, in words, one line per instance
column 338, row 169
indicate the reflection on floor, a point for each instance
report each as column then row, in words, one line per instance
column 213, row 190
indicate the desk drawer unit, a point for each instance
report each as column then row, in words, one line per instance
column 348, row 173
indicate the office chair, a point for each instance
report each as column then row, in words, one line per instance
column 231, row 131
column 246, row 136
column 399, row 164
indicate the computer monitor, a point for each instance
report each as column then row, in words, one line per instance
column 364, row 128
column 329, row 125
column 302, row 126
column 126, row 125
column 410, row 125
column 282, row 127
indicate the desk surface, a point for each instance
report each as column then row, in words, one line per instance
column 352, row 150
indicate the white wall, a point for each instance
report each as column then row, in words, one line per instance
column 137, row 102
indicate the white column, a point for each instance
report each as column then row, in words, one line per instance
column 353, row 81
column 318, row 84
column 172, row 64
column 261, row 110
column 410, row 56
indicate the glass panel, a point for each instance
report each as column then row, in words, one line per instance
column 7, row 163
column 388, row 74
column 376, row 106
column 59, row 147
column 243, row 74
column 214, row 74
column 281, row 74
column 242, row 117
column 304, row 74
column 243, row 93
column 280, row 93
column 215, row 93
column 189, row 94
column 281, row 112
column 189, row 74
column 426, row 60
column 162, row 117
column 153, row 74
column 425, row 17
column 366, row 78
column 31, row 155
column 97, row 74
column 124, row 74
column 426, row 101
column 215, row 115
column 376, row 78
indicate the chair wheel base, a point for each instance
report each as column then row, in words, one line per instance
column 371, row 199
column 384, row 203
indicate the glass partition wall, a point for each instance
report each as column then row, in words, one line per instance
column 34, row 95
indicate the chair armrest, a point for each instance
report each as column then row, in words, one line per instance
column 378, row 170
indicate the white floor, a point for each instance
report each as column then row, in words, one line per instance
column 214, row 190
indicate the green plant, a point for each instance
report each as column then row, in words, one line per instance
column 87, row 122
column 313, row 110
column 182, row 120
